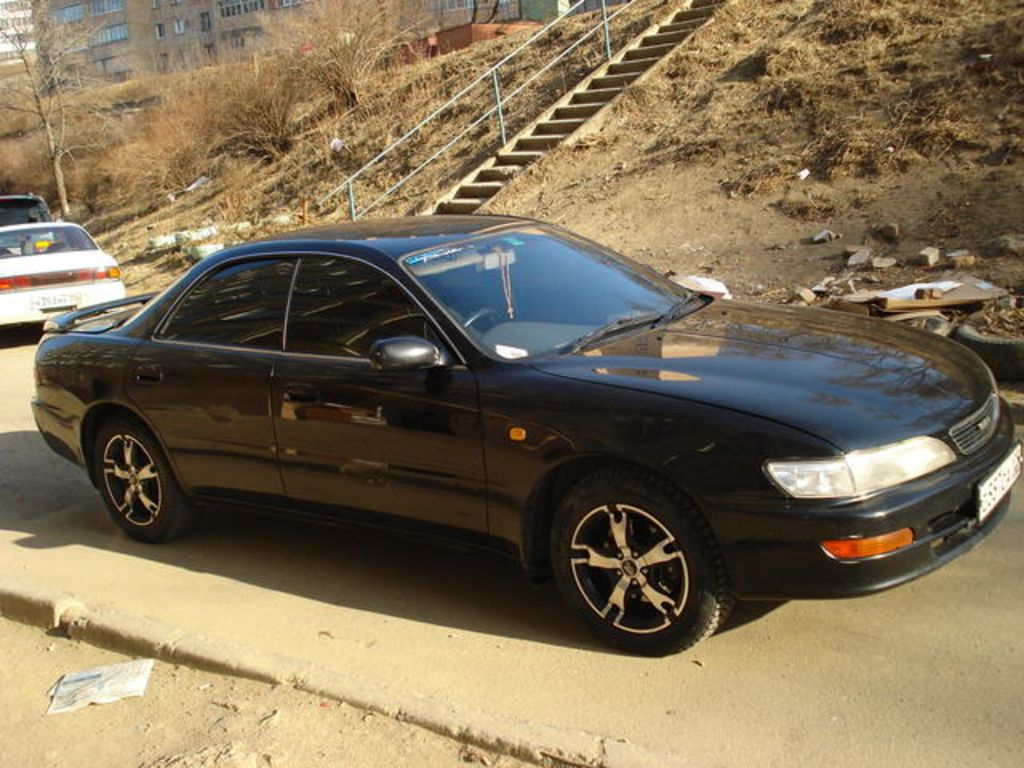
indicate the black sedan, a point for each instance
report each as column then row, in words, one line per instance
column 502, row 381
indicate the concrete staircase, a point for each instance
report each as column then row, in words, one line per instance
column 575, row 108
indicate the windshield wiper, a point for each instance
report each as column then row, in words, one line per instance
column 683, row 307
column 610, row 329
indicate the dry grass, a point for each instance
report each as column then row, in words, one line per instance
column 261, row 127
column 845, row 88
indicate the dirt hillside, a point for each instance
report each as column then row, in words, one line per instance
column 778, row 119
column 902, row 111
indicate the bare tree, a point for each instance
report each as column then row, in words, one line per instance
column 341, row 46
column 49, row 58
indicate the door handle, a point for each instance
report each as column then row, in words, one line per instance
column 299, row 393
column 148, row 374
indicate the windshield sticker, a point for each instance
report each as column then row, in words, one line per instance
column 437, row 253
column 513, row 241
column 510, row 353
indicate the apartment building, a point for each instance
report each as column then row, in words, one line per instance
column 15, row 28
column 120, row 38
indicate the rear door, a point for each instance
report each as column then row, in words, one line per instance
column 204, row 379
column 401, row 443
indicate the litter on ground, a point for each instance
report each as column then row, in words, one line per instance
column 100, row 685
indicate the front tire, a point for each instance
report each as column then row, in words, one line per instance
column 137, row 484
column 638, row 562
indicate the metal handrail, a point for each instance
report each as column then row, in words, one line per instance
column 500, row 100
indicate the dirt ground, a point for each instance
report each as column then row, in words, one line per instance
column 190, row 719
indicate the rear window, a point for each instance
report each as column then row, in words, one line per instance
column 22, row 212
column 33, row 241
column 240, row 305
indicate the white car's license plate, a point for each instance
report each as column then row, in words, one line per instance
column 993, row 488
column 56, row 301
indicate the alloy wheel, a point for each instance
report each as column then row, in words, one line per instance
column 132, row 480
column 629, row 568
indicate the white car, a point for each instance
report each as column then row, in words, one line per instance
column 46, row 269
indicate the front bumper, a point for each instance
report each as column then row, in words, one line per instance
column 774, row 552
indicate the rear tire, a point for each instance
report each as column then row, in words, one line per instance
column 636, row 559
column 137, row 484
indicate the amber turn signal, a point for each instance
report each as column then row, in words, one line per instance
column 854, row 549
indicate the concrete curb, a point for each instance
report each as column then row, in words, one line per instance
column 138, row 636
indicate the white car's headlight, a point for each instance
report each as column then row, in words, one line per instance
column 861, row 472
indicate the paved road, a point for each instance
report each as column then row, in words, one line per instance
column 931, row 674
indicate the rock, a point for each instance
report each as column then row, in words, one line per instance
column 890, row 231
column 161, row 243
column 282, row 219
column 883, row 262
column 806, row 295
column 849, row 250
column 1009, row 245
column 825, row 236
column 961, row 259
column 861, row 258
column 198, row 252
column 929, row 257
column 824, row 285
column 186, row 236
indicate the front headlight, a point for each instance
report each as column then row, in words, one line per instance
column 861, row 472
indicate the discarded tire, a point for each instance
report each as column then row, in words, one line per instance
column 1004, row 356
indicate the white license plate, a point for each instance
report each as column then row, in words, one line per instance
column 56, row 301
column 993, row 488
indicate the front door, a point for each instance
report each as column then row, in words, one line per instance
column 403, row 444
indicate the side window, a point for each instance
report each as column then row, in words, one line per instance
column 241, row 305
column 340, row 307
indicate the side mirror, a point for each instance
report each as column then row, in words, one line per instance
column 405, row 353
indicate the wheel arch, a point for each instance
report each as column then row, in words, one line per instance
column 548, row 493
column 99, row 414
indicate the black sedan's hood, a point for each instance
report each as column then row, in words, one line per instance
column 852, row 381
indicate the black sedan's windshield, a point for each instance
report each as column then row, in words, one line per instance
column 529, row 292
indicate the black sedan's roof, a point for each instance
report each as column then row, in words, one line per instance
column 397, row 237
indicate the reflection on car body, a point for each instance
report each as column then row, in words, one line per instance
column 507, row 383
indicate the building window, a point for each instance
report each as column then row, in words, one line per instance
column 238, row 7
column 162, row 62
column 205, row 21
column 211, row 50
column 160, row 31
column 156, row 3
column 100, row 7
column 71, row 13
column 115, row 33
column 175, row 2
column 180, row 25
